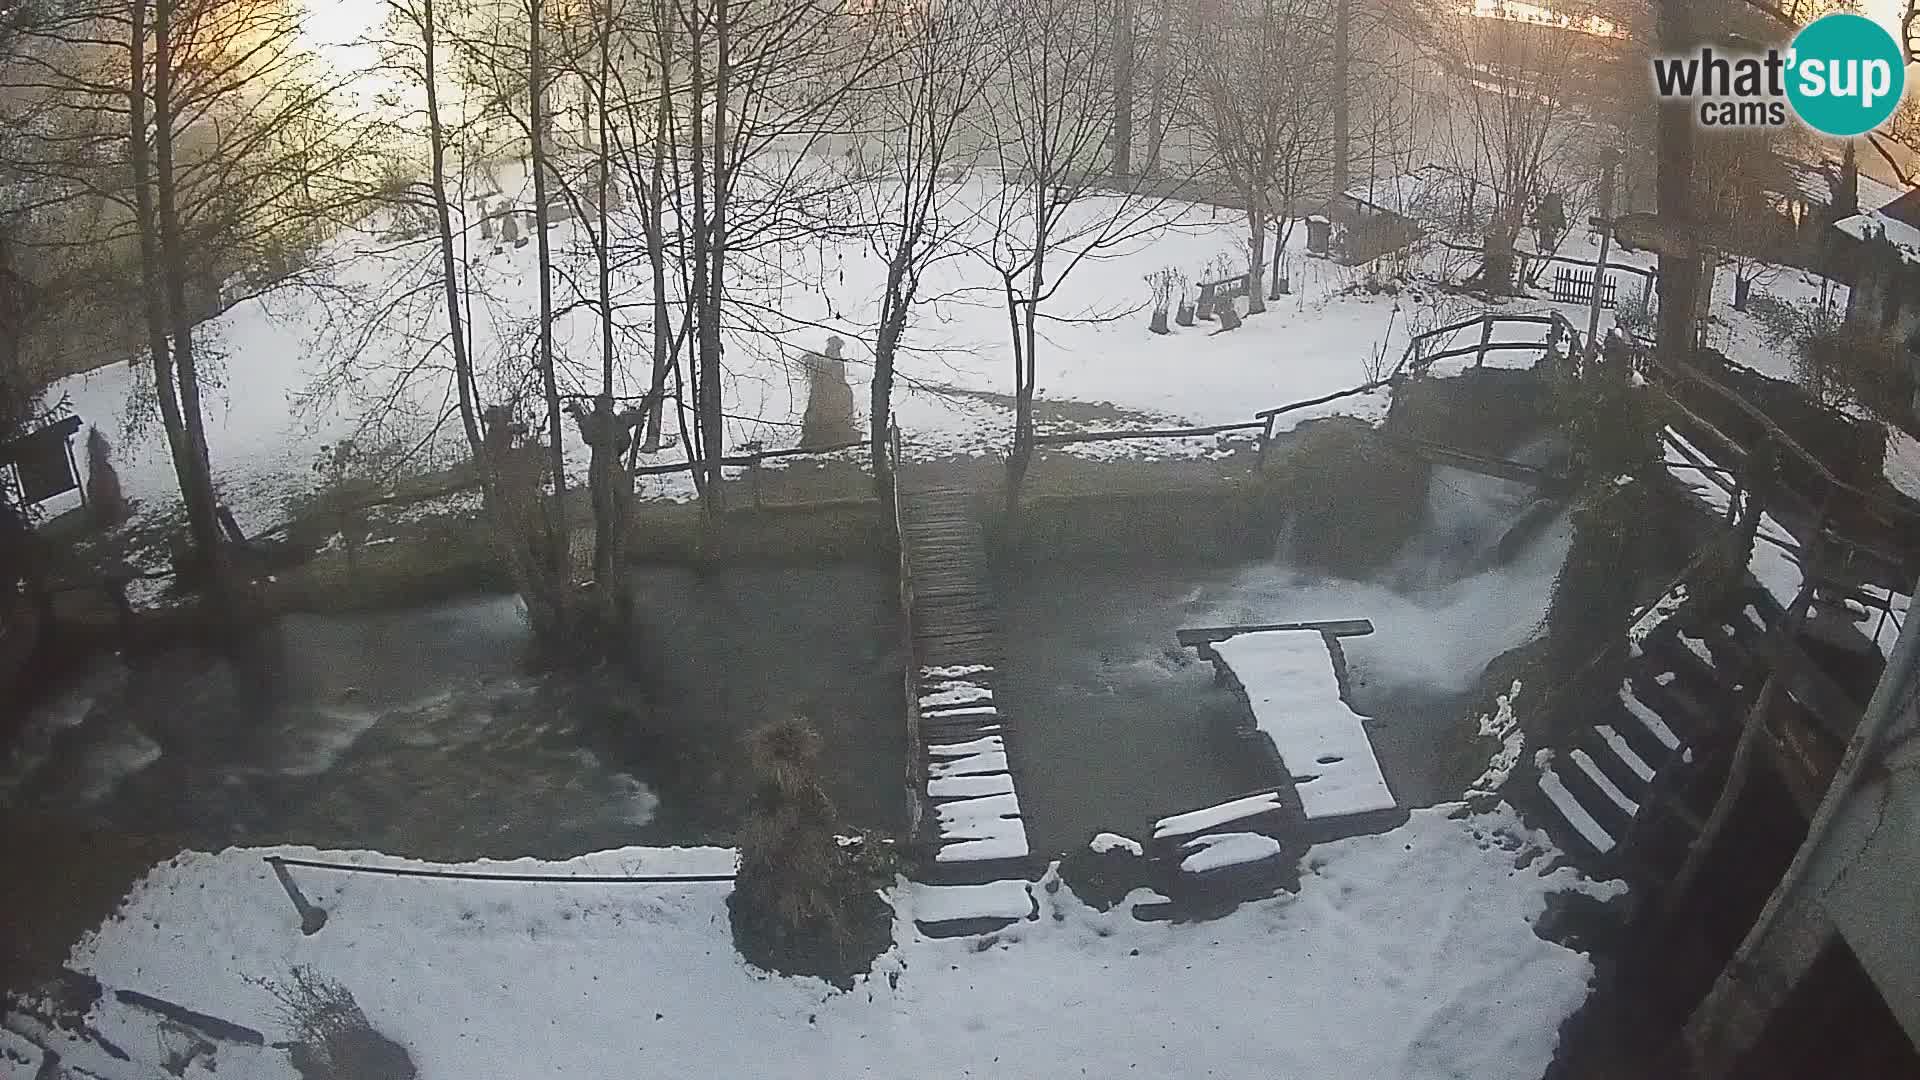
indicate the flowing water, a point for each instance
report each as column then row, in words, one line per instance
column 1117, row 725
column 417, row 732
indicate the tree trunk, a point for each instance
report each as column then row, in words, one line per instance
column 559, row 564
column 606, row 471
column 663, row 351
column 140, row 158
column 508, row 545
column 1679, row 274
column 1342, row 90
column 197, row 484
column 713, row 422
column 1257, row 251
column 1157, row 106
column 893, row 324
column 1122, row 87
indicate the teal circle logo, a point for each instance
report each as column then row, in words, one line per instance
column 1845, row 75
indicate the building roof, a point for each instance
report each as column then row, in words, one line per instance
column 1814, row 182
column 1432, row 194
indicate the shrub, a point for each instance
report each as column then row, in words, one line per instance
column 332, row 1039
column 801, row 904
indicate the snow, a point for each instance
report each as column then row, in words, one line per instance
column 1201, row 820
column 962, row 812
column 1575, row 814
column 955, row 693
column 1773, row 564
column 286, row 389
column 1409, row 954
column 1648, row 718
column 1504, row 728
column 969, row 787
column 1665, row 678
column 1624, row 752
column 1903, row 236
column 1584, row 761
column 1698, row 648
column 1885, row 617
column 964, row 749
column 1902, row 462
column 994, row 761
column 984, row 828
column 1106, row 841
column 993, row 900
column 954, row 671
column 1659, row 612
column 1290, row 684
column 1221, row 850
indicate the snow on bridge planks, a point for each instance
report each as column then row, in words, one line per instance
column 1290, row 683
column 974, row 823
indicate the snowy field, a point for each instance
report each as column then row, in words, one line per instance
column 1408, row 954
column 367, row 359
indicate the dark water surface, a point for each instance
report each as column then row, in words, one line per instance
column 417, row 732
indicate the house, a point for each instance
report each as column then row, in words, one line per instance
column 1881, row 249
column 1878, row 253
column 1383, row 213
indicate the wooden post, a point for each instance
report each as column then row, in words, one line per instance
column 312, row 917
column 1606, row 240
column 1486, row 337
column 753, row 479
column 1266, row 440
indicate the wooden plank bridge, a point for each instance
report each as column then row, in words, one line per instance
column 970, row 820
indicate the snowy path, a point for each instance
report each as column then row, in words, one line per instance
column 1408, row 954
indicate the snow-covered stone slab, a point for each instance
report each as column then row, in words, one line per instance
column 1194, row 821
column 986, row 838
column 957, row 815
column 955, row 671
column 1698, row 648
column 969, row 787
column 1634, row 762
column 1649, row 621
column 1575, row 814
column 992, row 762
column 1220, row 850
column 1605, row 783
column 954, row 693
column 957, row 713
column 1290, row 683
column 1106, row 841
column 1648, row 718
column 993, row 900
column 971, row 746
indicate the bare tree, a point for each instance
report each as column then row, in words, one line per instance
column 944, row 61
column 231, row 160
column 1049, row 215
column 1264, row 87
column 1512, row 122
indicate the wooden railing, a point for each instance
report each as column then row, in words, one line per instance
column 1413, row 362
column 911, row 709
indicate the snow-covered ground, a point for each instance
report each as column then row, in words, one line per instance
column 375, row 340
column 1405, row 954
